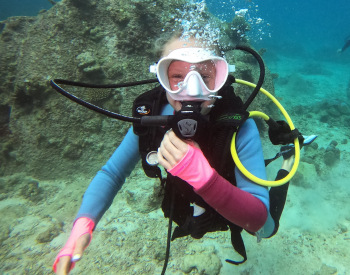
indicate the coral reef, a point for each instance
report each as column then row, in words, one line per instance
column 334, row 112
column 237, row 30
column 332, row 154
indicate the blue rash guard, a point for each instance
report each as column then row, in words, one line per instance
column 109, row 180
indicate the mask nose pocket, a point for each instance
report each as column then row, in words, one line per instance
column 194, row 87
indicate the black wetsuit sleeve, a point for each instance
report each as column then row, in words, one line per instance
column 278, row 196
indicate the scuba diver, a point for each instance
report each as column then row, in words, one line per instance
column 346, row 45
column 203, row 191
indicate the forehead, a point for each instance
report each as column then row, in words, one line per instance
column 178, row 43
column 183, row 65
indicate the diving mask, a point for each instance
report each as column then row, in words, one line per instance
column 193, row 87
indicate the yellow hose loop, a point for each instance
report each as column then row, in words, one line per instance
column 259, row 114
column 265, row 117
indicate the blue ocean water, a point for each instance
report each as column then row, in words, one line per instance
column 312, row 23
column 22, row 7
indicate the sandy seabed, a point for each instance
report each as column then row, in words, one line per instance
column 313, row 237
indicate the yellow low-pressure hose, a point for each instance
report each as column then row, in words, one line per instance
column 265, row 117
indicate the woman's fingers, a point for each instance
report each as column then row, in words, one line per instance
column 63, row 265
column 81, row 244
column 171, row 150
column 177, row 142
column 162, row 161
column 168, row 153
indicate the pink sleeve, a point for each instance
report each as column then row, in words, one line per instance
column 234, row 204
column 81, row 226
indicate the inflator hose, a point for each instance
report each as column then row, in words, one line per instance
column 234, row 154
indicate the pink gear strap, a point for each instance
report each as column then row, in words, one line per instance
column 193, row 168
column 81, row 226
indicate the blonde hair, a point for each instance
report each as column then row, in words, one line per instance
column 195, row 35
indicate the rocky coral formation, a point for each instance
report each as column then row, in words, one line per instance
column 331, row 154
column 334, row 112
column 47, row 136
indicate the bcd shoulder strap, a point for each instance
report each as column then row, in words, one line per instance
column 149, row 104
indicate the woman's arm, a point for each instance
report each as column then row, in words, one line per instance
column 108, row 181
column 250, row 153
column 247, row 204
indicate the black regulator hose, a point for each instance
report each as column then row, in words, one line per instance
column 261, row 76
column 55, row 84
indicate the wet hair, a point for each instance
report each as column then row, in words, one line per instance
column 163, row 40
column 168, row 37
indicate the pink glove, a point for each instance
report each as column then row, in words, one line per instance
column 81, row 226
column 193, row 168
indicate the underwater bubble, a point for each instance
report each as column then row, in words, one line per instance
column 241, row 12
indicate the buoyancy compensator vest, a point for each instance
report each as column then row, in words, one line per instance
column 215, row 145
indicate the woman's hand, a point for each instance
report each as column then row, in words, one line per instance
column 77, row 242
column 172, row 150
column 64, row 263
column 185, row 160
